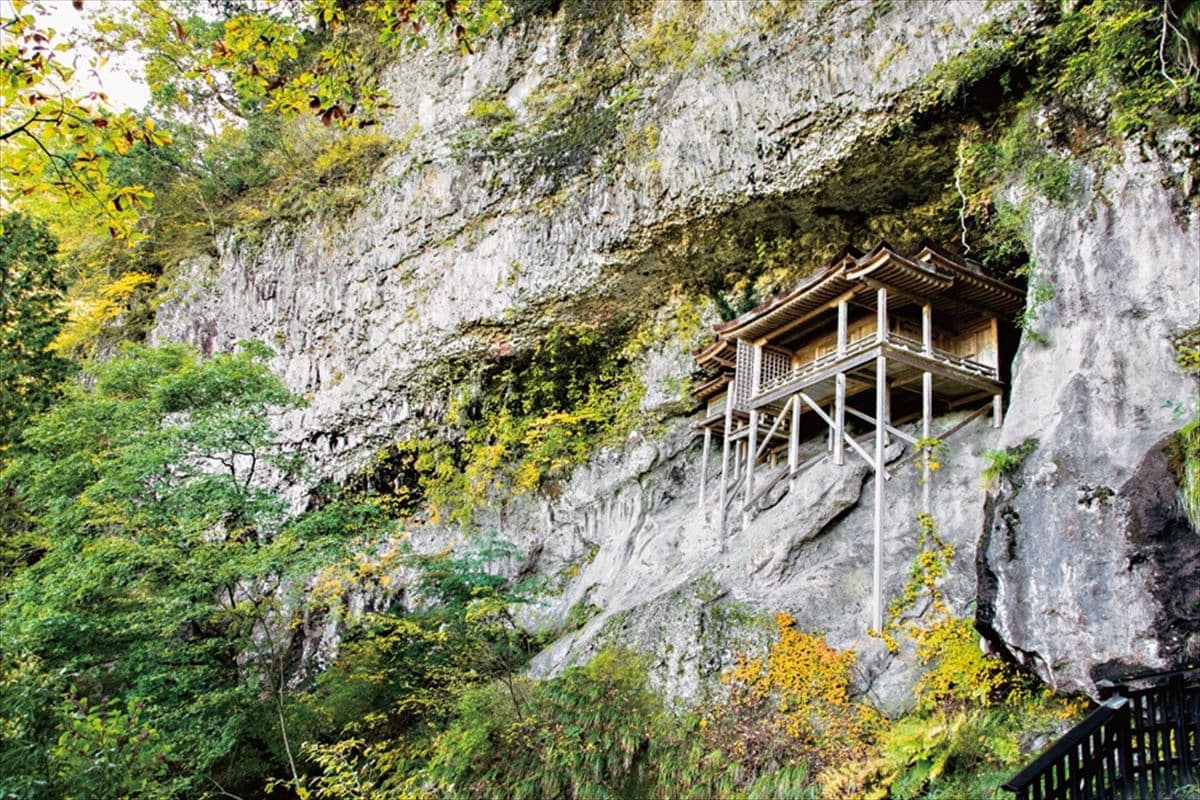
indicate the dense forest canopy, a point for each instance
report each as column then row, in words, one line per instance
column 154, row 573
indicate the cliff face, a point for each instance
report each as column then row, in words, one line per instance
column 1088, row 566
column 456, row 256
column 802, row 122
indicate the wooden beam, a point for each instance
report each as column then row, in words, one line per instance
column 927, row 328
column 887, row 410
column 839, row 419
column 962, row 423
column 881, row 315
column 926, row 428
column 762, row 491
column 751, row 457
column 704, row 464
column 829, row 438
column 794, row 437
column 995, row 331
column 921, row 299
column 770, row 432
column 725, row 458
column 744, row 432
column 842, row 322
column 867, row 418
column 997, row 409
column 938, row 368
column 971, row 399
column 906, row 383
column 788, row 389
column 756, row 370
column 816, row 312
column 855, row 446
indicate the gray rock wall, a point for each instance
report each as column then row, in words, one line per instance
column 451, row 259
column 1084, row 565
column 1088, row 569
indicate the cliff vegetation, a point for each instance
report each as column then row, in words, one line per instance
column 165, row 549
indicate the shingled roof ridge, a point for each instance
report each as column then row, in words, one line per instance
column 949, row 255
column 835, row 262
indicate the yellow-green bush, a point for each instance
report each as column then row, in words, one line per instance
column 807, row 684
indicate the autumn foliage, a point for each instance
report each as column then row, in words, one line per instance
column 801, row 687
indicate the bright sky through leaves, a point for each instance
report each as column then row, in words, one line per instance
column 120, row 78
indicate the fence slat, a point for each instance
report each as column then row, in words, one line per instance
column 1074, row 769
column 1125, row 753
column 1138, row 748
column 1180, row 729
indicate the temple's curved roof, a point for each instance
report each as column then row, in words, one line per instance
column 931, row 274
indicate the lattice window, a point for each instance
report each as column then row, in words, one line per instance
column 776, row 369
column 743, row 376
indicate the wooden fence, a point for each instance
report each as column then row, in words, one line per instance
column 1142, row 743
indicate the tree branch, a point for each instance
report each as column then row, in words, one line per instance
column 1162, row 44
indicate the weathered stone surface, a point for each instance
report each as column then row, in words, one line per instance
column 450, row 259
column 674, row 587
column 1086, row 564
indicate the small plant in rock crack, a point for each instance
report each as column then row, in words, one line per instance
column 1004, row 463
column 931, row 450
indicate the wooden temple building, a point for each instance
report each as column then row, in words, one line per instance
column 867, row 343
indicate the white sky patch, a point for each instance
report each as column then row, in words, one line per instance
column 121, row 78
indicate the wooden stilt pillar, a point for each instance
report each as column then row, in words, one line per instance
column 887, row 410
column 843, row 311
column 725, row 457
column 881, row 319
column 926, row 402
column 877, row 574
column 997, row 410
column 926, row 433
column 839, row 401
column 927, row 329
column 704, row 464
column 794, row 437
column 839, row 420
column 751, row 450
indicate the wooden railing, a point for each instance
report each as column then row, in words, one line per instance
column 1143, row 743
column 945, row 356
column 867, row 342
column 817, row 364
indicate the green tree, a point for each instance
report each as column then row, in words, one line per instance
column 57, row 141
column 316, row 56
column 31, row 289
column 376, row 715
column 170, row 577
column 275, row 55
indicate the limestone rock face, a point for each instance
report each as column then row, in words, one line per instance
column 455, row 257
column 1088, row 568
column 670, row 584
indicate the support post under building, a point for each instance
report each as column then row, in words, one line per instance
column 725, row 459
column 794, row 438
column 926, row 403
column 881, row 335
